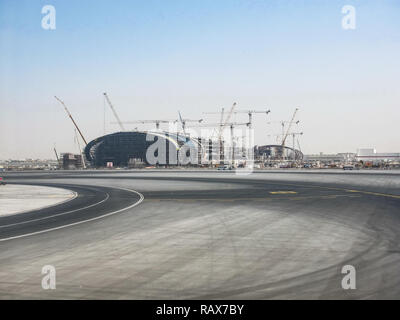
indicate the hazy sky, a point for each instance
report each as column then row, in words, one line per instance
column 156, row 57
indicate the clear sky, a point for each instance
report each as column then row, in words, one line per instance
column 156, row 57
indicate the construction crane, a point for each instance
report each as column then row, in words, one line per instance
column 115, row 113
column 157, row 122
column 72, row 119
column 221, row 126
column 228, row 117
column 294, row 134
column 250, row 114
column 55, row 151
column 298, row 144
column 184, row 121
column 222, row 122
column 285, row 135
column 232, row 125
column 222, row 115
column 282, row 123
column 80, row 150
column 288, row 129
column 278, row 137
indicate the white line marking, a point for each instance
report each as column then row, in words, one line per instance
column 56, row 215
column 83, row 221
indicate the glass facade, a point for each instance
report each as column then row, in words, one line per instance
column 120, row 147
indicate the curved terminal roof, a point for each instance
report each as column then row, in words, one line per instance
column 273, row 151
column 120, row 147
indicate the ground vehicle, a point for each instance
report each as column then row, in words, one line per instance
column 225, row 167
column 348, row 167
column 2, row 182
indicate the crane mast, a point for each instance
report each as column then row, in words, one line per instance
column 183, row 122
column 250, row 114
column 221, row 126
column 289, row 126
column 55, row 151
column 72, row 119
column 228, row 117
column 223, row 123
column 80, row 150
column 114, row 112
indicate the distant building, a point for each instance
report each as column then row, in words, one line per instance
column 277, row 152
column 370, row 155
column 71, row 161
column 28, row 164
column 330, row 158
column 366, row 155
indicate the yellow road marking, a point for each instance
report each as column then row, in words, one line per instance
column 338, row 189
column 283, row 192
column 381, row 194
column 376, row 193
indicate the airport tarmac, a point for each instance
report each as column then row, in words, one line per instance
column 206, row 235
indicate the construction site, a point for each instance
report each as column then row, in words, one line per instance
column 225, row 144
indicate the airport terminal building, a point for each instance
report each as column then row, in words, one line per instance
column 122, row 148
column 137, row 148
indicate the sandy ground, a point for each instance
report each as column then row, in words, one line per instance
column 21, row 198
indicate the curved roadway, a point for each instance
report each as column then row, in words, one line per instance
column 206, row 235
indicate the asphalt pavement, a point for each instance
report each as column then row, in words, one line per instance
column 190, row 235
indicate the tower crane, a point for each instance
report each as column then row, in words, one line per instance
column 221, row 126
column 290, row 125
column 285, row 135
column 222, row 115
column 282, row 123
column 250, row 114
column 216, row 130
column 114, row 112
column 294, row 134
column 222, row 123
column 72, row 119
column 157, row 122
column 184, row 121
column 228, row 117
